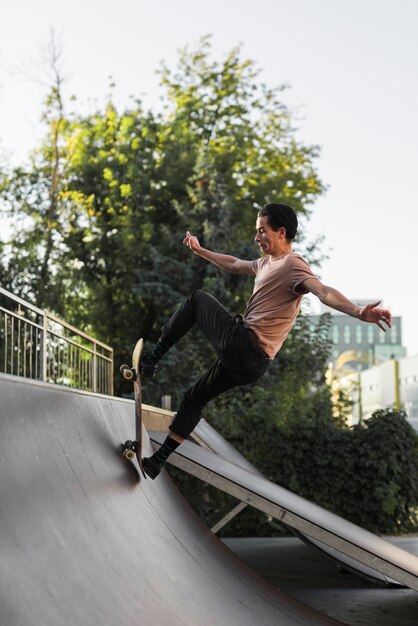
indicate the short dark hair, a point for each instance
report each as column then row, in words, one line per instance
column 280, row 215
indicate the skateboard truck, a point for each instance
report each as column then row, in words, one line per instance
column 129, row 449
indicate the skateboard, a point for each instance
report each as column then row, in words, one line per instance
column 131, row 448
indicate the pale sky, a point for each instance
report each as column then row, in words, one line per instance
column 352, row 67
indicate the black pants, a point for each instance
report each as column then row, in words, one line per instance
column 240, row 359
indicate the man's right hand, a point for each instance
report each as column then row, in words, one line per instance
column 224, row 261
column 191, row 242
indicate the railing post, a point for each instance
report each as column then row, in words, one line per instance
column 94, row 367
column 44, row 345
column 111, row 388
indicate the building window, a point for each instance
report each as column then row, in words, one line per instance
column 370, row 334
column 335, row 334
column 346, row 334
column 394, row 334
column 359, row 333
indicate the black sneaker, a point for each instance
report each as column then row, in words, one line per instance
column 151, row 467
column 147, row 367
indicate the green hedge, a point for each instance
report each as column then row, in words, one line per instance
column 367, row 474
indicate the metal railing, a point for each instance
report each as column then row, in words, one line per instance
column 36, row 344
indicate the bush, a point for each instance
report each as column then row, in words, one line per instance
column 367, row 474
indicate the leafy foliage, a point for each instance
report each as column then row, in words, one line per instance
column 367, row 474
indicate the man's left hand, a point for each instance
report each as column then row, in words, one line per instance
column 370, row 313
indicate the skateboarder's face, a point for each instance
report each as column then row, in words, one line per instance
column 270, row 241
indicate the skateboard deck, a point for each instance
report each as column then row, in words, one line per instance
column 131, row 448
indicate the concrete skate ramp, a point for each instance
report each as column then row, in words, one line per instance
column 83, row 540
column 305, row 517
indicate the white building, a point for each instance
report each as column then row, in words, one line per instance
column 393, row 383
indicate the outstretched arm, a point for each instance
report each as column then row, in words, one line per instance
column 224, row 261
column 334, row 299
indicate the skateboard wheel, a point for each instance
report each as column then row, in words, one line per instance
column 129, row 454
column 126, row 372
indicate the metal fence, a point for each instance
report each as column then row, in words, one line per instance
column 36, row 344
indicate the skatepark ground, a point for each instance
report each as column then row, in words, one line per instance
column 313, row 579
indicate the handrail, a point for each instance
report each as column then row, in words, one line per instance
column 35, row 348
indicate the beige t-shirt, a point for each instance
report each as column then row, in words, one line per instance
column 276, row 299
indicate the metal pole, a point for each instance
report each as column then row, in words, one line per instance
column 397, row 393
column 360, row 406
column 94, row 367
column 111, row 387
column 44, row 346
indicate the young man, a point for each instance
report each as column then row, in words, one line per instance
column 245, row 345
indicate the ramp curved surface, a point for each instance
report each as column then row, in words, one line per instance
column 85, row 541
